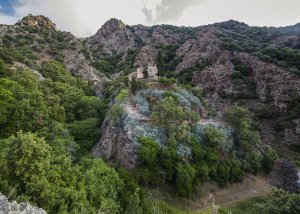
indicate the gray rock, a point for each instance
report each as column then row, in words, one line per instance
column 13, row 207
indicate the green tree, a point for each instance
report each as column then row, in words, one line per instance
column 184, row 177
column 149, row 152
column 191, row 116
column 213, row 137
column 115, row 112
column 59, row 138
column 133, row 85
column 198, row 153
column 169, row 160
column 26, row 155
column 280, row 202
column 122, row 95
column 146, row 74
column 90, row 107
column 133, row 205
column 160, row 63
column 237, row 117
column 167, row 110
column 86, row 133
column 268, row 159
column 55, row 71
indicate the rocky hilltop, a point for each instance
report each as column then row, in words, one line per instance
column 13, row 207
column 233, row 62
column 265, row 59
column 39, row 40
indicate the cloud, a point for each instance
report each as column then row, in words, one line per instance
column 253, row 12
column 84, row 17
column 21, row 8
column 167, row 10
column 0, row 7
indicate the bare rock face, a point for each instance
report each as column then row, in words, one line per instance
column 117, row 75
column 115, row 144
column 146, row 56
column 12, row 207
column 218, row 78
column 158, row 35
column 77, row 63
column 202, row 47
column 113, row 36
column 269, row 78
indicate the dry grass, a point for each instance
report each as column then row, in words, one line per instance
column 251, row 186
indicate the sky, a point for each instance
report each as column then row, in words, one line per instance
column 84, row 17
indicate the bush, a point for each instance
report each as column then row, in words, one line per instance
column 236, row 75
column 167, row 82
column 115, row 112
column 184, row 177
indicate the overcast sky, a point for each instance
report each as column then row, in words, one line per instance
column 84, row 17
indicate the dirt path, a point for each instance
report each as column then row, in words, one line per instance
column 130, row 109
column 251, row 186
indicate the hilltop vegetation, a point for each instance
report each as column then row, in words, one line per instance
column 58, row 112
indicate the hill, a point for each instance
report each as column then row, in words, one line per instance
column 77, row 136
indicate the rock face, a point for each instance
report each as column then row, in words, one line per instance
column 146, row 56
column 18, row 64
column 115, row 144
column 269, row 78
column 77, row 63
column 202, row 47
column 12, row 207
column 113, row 36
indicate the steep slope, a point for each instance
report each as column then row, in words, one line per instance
column 113, row 37
column 37, row 38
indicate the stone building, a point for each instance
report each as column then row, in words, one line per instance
column 152, row 74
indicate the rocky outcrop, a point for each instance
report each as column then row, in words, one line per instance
column 39, row 21
column 113, row 36
column 271, row 79
column 158, row 35
column 203, row 47
column 146, row 56
column 116, row 76
column 77, row 64
column 13, row 207
column 218, row 78
column 18, row 64
column 115, row 144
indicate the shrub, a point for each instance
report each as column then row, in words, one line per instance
column 236, row 75
column 167, row 82
column 166, row 110
column 115, row 112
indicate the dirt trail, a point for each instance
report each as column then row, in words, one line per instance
column 251, row 186
column 130, row 109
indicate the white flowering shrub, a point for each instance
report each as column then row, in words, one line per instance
column 144, row 104
column 183, row 150
column 188, row 99
column 227, row 130
column 140, row 129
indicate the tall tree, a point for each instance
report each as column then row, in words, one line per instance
column 133, row 84
column 146, row 74
column 160, row 64
column 167, row 110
